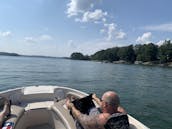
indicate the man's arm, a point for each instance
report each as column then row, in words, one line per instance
column 85, row 120
column 72, row 108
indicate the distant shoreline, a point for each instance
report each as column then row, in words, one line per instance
column 8, row 54
column 36, row 56
column 169, row 64
column 140, row 54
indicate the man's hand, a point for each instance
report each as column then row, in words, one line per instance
column 76, row 113
column 94, row 96
column 69, row 105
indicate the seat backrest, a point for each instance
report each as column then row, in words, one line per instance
column 16, row 114
column 117, row 121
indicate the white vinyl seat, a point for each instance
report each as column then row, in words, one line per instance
column 16, row 113
column 66, row 118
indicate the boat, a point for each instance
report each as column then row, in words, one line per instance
column 43, row 107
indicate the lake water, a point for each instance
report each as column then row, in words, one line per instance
column 145, row 91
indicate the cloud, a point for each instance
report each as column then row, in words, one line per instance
column 40, row 38
column 84, row 11
column 45, row 37
column 102, row 31
column 145, row 38
column 110, row 30
column 120, row 35
column 5, row 34
column 95, row 16
column 79, row 6
column 89, row 47
column 113, row 32
column 29, row 39
column 159, row 43
column 161, row 27
column 71, row 44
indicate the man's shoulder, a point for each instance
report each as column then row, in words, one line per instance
column 103, row 117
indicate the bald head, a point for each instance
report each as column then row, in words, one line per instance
column 111, row 98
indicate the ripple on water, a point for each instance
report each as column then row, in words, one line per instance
column 144, row 91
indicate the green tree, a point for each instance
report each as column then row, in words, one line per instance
column 165, row 52
column 139, row 50
column 146, row 52
column 151, row 52
column 108, row 55
column 100, row 55
column 78, row 56
column 127, row 53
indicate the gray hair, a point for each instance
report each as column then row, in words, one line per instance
column 111, row 98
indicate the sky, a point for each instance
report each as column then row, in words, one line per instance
column 61, row 27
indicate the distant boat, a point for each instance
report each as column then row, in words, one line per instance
column 43, row 107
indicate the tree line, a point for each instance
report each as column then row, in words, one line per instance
column 140, row 52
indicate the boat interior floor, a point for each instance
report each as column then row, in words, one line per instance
column 44, row 126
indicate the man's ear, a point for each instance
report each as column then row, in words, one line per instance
column 104, row 104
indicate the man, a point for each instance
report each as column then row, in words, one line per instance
column 5, row 111
column 109, row 104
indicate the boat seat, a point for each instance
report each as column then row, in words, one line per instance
column 76, row 95
column 16, row 113
column 39, row 105
column 59, row 108
column 117, row 121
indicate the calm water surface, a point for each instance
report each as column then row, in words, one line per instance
column 145, row 91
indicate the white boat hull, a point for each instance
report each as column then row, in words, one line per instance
column 43, row 107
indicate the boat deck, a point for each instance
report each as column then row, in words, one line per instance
column 44, row 126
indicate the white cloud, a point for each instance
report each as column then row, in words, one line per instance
column 102, row 31
column 145, row 38
column 88, row 47
column 85, row 11
column 40, row 38
column 161, row 27
column 5, row 33
column 92, row 47
column 113, row 32
column 71, row 44
column 95, row 16
column 29, row 39
column 104, row 19
column 45, row 37
column 159, row 43
column 110, row 30
column 120, row 35
column 78, row 6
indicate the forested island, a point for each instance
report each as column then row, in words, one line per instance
column 8, row 54
column 146, row 54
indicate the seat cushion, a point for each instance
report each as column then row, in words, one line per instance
column 59, row 109
column 16, row 113
column 117, row 121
